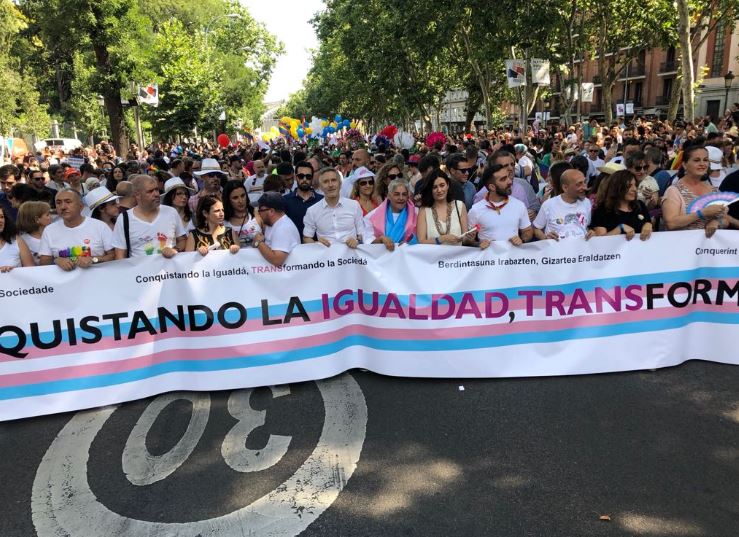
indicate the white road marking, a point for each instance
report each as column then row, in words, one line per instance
column 63, row 504
column 143, row 468
column 234, row 450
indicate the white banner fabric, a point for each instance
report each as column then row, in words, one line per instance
column 130, row 329
column 540, row 72
column 515, row 73
column 588, row 88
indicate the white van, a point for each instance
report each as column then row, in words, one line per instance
column 65, row 144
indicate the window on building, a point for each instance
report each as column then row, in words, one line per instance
column 666, row 89
column 637, row 93
column 717, row 65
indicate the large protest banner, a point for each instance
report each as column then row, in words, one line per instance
column 127, row 330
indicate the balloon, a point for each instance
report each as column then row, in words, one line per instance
column 223, row 140
column 346, row 123
column 285, row 119
column 332, row 125
column 309, row 131
column 353, row 125
column 324, row 123
column 337, row 118
column 301, row 132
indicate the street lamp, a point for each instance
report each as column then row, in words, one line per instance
column 728, row 81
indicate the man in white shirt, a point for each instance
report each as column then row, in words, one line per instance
column 500, row 216
column 74, row 240
column 594, row 161
column 152, row 228
column 255, row 183
column 567, row 215
column 280, row 234
column 334, row 218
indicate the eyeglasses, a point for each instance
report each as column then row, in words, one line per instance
column 639, row 168
column 304, row 175
column 393, row 176
column 367, row 182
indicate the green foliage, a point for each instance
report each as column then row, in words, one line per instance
column 20, row 109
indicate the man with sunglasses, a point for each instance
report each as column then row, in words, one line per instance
column 460, row 171
column 298, row 201
column 594, row 160
column 334, row 219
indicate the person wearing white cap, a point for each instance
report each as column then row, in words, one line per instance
column 177, row 195
column 211, row 174
column 716, row 172
column 103, row 205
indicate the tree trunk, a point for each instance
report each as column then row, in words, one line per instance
column 675, row 92
column 686, row 55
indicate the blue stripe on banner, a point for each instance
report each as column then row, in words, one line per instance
column 424, row 300
column 423, row 345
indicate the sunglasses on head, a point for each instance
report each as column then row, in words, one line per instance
column 304, row 175
column 393, row 176
column 365, row 182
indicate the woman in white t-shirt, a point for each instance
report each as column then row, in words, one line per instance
column 239, row 215
column 33, row 217
column 12, row 255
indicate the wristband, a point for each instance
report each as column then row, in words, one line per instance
column 437, row 240
column 621, row 227
column 700, row 214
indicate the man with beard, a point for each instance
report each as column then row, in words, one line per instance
column 334, row 219
column 149, row 228
column 500, row 216
column 567, row 215
column 303, row 197
column 280, row 234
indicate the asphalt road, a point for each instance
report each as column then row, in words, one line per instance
column 655, row 452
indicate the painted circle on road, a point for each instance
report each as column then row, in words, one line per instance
column 64, row 504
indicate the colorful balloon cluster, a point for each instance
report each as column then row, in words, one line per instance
column 316, row 127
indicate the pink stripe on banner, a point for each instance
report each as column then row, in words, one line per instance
column 256, row 325
column 288, row 345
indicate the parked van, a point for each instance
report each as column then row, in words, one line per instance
column 65, row 144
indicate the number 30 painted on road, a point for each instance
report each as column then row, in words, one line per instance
column 64, row 504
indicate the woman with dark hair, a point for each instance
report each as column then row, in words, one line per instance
column 115, row 176
column 692, row 185
column 103, row 205
column 621, row 212
column 177, row 195
column 210, row 233
column 553, row 187
column 238, row 214
column 12, row 253
column 389, row 172
column 441, row 218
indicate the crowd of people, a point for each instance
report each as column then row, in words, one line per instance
column 554, row 183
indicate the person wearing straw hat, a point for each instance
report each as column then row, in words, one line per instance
column 211, row 174
column 103, row 205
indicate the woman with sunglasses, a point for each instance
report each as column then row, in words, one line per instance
column 621, row 213
column 177, row 195
column 388, row 172
column 363, row 192
column 647, row 187
column 238, row 214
